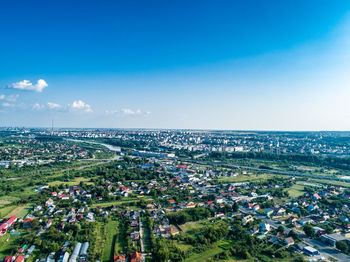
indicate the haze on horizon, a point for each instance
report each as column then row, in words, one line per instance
column 238, row 65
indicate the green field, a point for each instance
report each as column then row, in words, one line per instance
column 24, row 211
column 182, row 246
column 110, row 237
column 246, row 178
column 6, row 210
column 7, row 243
column 296, row 191
column 5, row 200
column 97, row 245
column 15, row 210
column 204, row 256
column 121, row 242
column 147, row 236
column 331, row 182
column 189, row 226
column 74, row 182
column 120, row 202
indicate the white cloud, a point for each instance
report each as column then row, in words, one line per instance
column 127, row 112
column 53, row 106
column 27, row 85
column 10, row 98
column 37, row 106
column 8, row 101
column 81, row 106
column 111, row 112
column 7, row 104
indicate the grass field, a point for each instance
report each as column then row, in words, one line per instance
column 24, row 211
column 7, row 242
column 246, row 178
column 120, row 243
column 193, row 225
column 204, row 256
column 147, row 235
column 110, row 236
column 6, row 210
column 330, row 182
column 14, row 210
column 74, row 182
column 120, row 202
column 296, row 191
column 182, row 246
column 4, row 203
column 97, row 245
column 5, row 200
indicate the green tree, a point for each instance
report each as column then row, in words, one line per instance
column 342, row 246
column 309, row 231
column 280, row 229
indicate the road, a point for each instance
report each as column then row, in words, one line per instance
column 141, row 235
column 325, row 250
column 257, row 169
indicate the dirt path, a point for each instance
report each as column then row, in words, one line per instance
column 16, row 210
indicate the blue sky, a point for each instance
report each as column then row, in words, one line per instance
column 263, row 65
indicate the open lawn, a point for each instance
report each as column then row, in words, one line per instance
column 97, row 245
column 110, row 236
column 204, row 256
column 6, row 210
column 331, row 182
column 193, row 225
column 24, row 211
column 182, row 246
column 5, row 200
column 147, row 236
column 20, row 211
column 296, row 191
column 246, row 178
column 7, row 244
column 121, row 241
column 221, row 246
column 74, row 182
column 120, row 202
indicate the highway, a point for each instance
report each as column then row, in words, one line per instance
column 257, row 169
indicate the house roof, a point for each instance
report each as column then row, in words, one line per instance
column 289, row 240
column 136, row 257
column 119, row 258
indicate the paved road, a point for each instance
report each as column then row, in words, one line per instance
column 325, row 250
column 257, row 169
